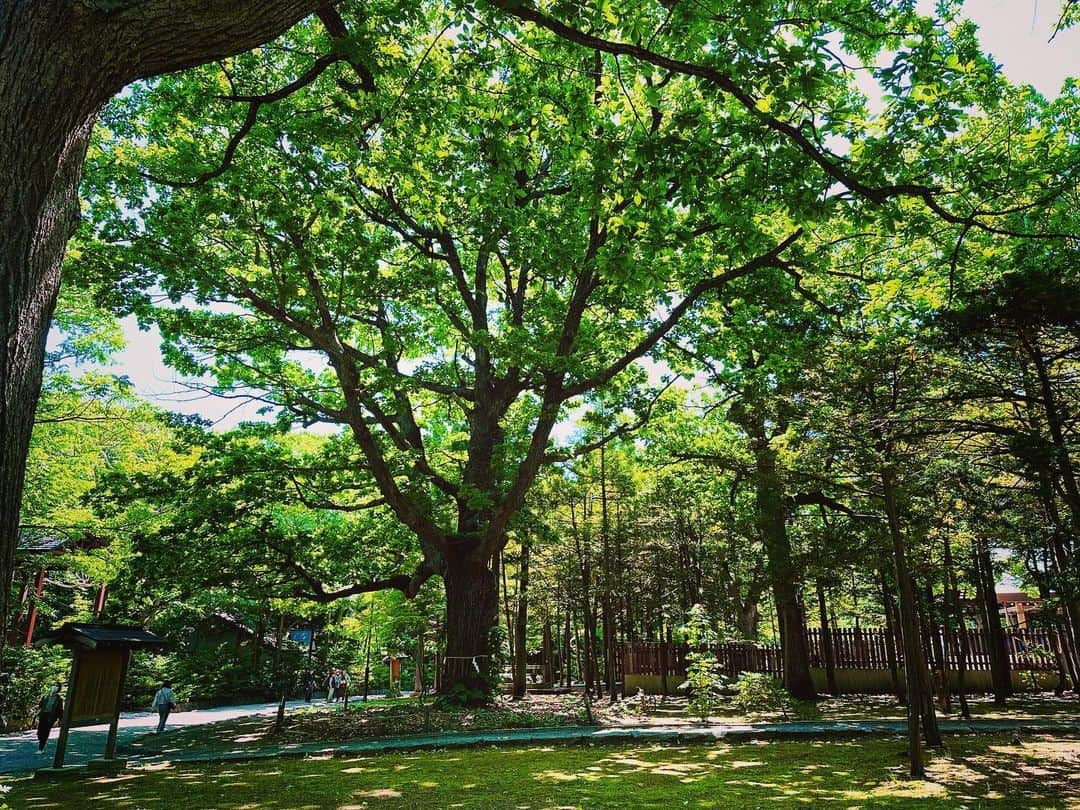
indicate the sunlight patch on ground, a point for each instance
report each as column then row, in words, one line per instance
column 555, row 776
column 378, row 793
column 718, row 751
column 954, row 771
column 109, row 780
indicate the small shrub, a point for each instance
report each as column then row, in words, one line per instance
column 703, row 678
column 758, row 692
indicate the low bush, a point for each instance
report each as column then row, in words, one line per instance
column 758, row 692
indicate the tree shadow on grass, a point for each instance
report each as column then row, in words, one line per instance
column 238, row 734
column 997, row 772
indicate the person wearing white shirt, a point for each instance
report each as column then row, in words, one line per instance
column 164, row 702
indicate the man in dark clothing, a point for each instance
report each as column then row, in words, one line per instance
column 50, row 709
column 309, row 685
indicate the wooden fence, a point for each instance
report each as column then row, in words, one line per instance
column 862, row 649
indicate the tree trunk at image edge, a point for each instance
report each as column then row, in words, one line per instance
column 60, row 61
column 472, row 601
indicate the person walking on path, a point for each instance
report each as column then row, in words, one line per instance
column 164, row 702
column 50, row 709
column 343, row 685
column 309, row 685
column 331, row 686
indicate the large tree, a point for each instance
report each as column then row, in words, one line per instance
column 439, row 265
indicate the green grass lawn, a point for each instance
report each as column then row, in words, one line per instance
column 996, row 772
column 407, row 716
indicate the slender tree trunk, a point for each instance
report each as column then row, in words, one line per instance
column 826, row 641
column 520, row 651
column 958, row 638
column 937, row 652
column 418, row 672
column 587, row 654
column 507, row 612
column 584, row 660
column 1070, row 622
column 279, row 640
column 893, row 642
column 920, row 699
column 607, row 610
column 1070, row 648
column 1000, row 673
column 665, row 652
column 597, row 648
column 566, row 650
column 257, row 642
column 367, row 653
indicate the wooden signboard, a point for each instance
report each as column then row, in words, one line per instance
column 97, row 689
column 96, row 683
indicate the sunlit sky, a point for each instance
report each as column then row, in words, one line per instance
column 1015, row 32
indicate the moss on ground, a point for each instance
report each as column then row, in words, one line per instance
column 992, row 772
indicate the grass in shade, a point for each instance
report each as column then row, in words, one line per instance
column 992, row 772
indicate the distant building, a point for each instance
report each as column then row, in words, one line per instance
column 1015, row 608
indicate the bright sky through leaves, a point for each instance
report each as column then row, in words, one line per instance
column 1016, row 34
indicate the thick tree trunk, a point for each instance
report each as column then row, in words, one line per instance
column 60, row 61
column 42, row 149
column 771, row 511
column 772, row 523
column 747, row 620
column 472, row 594
column 548, row 654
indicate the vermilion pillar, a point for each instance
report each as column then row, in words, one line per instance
column 33, row 608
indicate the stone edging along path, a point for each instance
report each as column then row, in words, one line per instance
column 586, row 735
